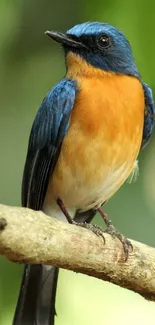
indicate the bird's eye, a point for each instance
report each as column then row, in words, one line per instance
column 103, row 41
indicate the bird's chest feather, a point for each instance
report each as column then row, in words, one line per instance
column 103, row 140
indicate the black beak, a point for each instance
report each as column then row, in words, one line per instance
column 65, row 39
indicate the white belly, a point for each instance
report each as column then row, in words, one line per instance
column 77, row 199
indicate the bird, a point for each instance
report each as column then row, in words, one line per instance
column 83, row 145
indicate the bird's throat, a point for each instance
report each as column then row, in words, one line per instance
column 77, row 66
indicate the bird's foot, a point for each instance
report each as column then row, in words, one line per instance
column 127, row 246
column 94, row 228
column 111, row 230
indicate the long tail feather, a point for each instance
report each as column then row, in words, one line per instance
column 36, row 302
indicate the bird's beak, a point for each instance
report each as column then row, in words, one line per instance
column 64, row 39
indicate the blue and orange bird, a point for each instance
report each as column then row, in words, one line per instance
column 83, row 145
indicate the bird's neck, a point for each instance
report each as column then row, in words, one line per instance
column 77, row 66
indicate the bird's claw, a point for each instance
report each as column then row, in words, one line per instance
column 127, row 246
column 111, row 230
column 94, row 228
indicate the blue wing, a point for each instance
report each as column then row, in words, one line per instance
column 48, row 130
column 149, row 118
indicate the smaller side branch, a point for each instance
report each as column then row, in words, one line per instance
column 31, row 237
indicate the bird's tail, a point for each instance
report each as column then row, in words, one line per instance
column 36, row 302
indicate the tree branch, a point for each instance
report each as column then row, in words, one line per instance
column 27, row 236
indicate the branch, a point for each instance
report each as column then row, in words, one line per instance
column 31, row 237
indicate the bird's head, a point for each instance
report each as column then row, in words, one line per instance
column 99, row 45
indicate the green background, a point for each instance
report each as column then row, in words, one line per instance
column 30, row 64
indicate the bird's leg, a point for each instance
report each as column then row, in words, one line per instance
column 64, row 210
column 127, row 246
column 111, row 230
column 94, row 228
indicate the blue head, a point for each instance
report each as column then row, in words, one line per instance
column 101, row 45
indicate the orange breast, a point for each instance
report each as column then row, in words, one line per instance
column 102, row 143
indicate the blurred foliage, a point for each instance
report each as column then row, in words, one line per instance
column 30, row 64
